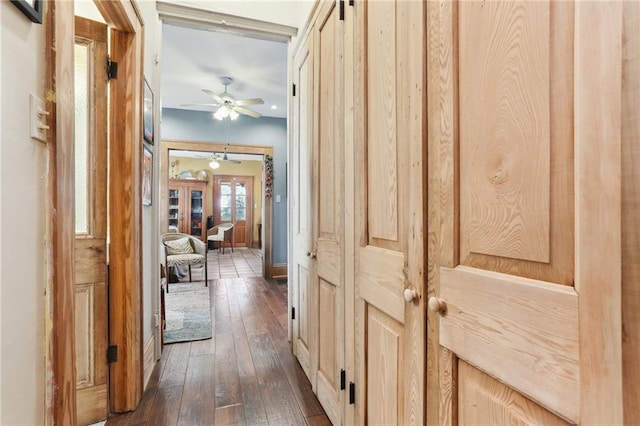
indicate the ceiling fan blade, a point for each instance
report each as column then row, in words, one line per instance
column 247, row 111
column 233, row 161
column 253, row 101
column 214, row 96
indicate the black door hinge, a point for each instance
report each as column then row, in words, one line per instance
column 293, row 90
column 112, row 354
column 352, row 2
column 343, row 379
column 352, row 393
column 293, row 313
column 112, row 69
column 342, row 10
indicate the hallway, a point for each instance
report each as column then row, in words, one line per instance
column 245, row 375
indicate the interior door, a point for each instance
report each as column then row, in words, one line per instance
column 302, row 309
column 389, row 192
column 91, row 220
column 328, row 279
column 232, row 204
column 524, row 213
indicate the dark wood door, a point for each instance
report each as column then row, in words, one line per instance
column 233, row 203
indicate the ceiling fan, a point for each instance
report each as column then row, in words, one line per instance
column 217, row 158
column 230, row 106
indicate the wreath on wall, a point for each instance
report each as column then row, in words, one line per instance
column 268, row 176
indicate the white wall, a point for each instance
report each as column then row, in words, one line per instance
column 22, row 223
column 150, row 214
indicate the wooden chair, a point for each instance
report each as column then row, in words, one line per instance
column 221, row 233
column 198, row 255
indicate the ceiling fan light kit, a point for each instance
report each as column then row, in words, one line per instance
column 230, row 107
column 214, row 164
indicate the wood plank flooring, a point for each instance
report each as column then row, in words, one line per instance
column 244, row 375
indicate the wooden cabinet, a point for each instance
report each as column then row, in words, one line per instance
column 186, row 203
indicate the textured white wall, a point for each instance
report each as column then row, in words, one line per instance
column 22, row 222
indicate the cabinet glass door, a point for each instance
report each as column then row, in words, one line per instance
column 196, row 213
column 174, row 210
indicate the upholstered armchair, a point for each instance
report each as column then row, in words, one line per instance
column 183, row 249
column 221, row 233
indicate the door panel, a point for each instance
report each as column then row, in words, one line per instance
column 329, row 219
column 91, row 221
column 514, row 297
column 486, row 401
column 385, row 366
column 509, row 206
column 301, row 170
column 542, row 316
column 389, row 212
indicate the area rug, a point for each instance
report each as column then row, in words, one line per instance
column 187, row 313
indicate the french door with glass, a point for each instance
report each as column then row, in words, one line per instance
column 232, row 203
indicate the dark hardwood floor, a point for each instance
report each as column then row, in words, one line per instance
column 244, row 375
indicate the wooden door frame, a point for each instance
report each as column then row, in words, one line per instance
column 267, row 206
column 249, row 214
column 125, row 21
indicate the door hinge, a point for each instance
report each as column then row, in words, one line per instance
column 293, row 313
column 294, row 89
column 112, row 69
column 352, row 393
column 342, row 10
column 352, row 2
column 112, row 354
column 343, row 379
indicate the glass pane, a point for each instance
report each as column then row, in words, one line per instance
column 225, row 201
column 174, row 209
column 240, row 202
column 196, row 201
column 225, row 214
column 241, row 214
column 81, row 138
column 225, row 188
column 241, row 189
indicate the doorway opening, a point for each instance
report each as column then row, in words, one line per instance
column 187, row 163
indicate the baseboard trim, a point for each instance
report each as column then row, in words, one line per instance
column 149, row 358
column 279, row 270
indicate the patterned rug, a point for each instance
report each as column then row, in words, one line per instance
column 187, row 313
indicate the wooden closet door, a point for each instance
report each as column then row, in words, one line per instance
column 301, row 302
column 328, row 277
column 524, row 212
column 389, row 197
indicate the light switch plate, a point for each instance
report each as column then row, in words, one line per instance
column 37, row 118
column 277, row 198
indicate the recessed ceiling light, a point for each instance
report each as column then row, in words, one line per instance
column 274, row 106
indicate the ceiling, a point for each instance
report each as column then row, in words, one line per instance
column 197, row 154
column 195, row 59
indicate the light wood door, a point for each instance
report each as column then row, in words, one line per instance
column 91, row 220
column 389, row 199
column 232, row 203
column 328, row 154
column 524, row 212
column 302, row 310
